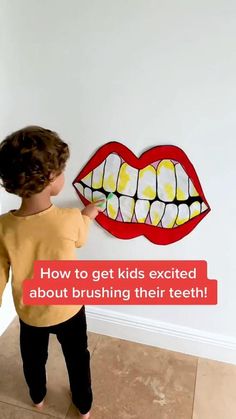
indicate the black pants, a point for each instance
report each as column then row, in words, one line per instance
column 72, row 335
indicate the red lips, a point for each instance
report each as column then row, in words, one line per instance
column 128, row 230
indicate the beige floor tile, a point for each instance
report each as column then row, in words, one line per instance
column 133, row 381
column 73, row 413
column 93, row 340
column 7, row 411
column 215, row 393
column 13, row 389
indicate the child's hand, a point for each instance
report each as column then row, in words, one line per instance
column 93, row 209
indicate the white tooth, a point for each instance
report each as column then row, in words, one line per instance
column 80, row 188
column 112, row 167
column 204, row 207
column 141, row 210
column 195, row 209
column 166, row 180
column 182, row 183
column 113, row 207
column 87, row 179
column 127, row 180
column 126, row 207
column 88, row 194
column 183, row 214
column 169, row 217
column 147, row 183
column 192, row 189
column 97, row 176
column 156, row 212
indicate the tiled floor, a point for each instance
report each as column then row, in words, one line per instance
column 130, row 381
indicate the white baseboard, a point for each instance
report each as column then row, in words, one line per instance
column 160, row 334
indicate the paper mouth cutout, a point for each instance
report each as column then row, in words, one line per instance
column 157, row 195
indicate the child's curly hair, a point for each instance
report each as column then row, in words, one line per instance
column 28, row 159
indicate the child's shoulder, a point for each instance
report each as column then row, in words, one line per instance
column 5, row 221
column 70, row 213
column 68, row 210
column 5, row 217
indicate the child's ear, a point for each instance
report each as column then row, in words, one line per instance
column 52, row 176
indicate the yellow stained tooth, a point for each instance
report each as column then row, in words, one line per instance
column 111, row 171
column 166, row 181
column 181, row 196
column 113, row 207
column 182, row 183
column 87, row 179
column 149, row 192
column 195, row 209
column 181, row 221
column 97, row 176
column 169, row 191
column 156, row 212
column 183, row 214
column 127, row 181
column 192, row 189
column 111, row 211
column 141, row 210
column 167, row 164
column 147, row 183
column 109, row 184
column 124, row 178
column 194, row 213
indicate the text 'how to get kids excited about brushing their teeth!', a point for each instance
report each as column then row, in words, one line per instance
column 129, row 282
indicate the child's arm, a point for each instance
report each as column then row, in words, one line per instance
column 86, row 215
column 93, row 209
column 4, row 269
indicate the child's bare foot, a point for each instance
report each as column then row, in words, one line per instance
column 39, row 405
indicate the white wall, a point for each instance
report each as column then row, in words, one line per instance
column 144, row 73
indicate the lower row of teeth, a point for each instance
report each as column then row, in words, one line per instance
column 157, row 213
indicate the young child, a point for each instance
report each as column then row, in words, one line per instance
column 32, row 163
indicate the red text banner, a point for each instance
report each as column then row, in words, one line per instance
column 120, row 282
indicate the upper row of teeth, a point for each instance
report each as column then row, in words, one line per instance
column 167, row 181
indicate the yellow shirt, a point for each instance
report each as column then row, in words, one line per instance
column 52, row 234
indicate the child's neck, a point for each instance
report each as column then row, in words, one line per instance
column 36, row 203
